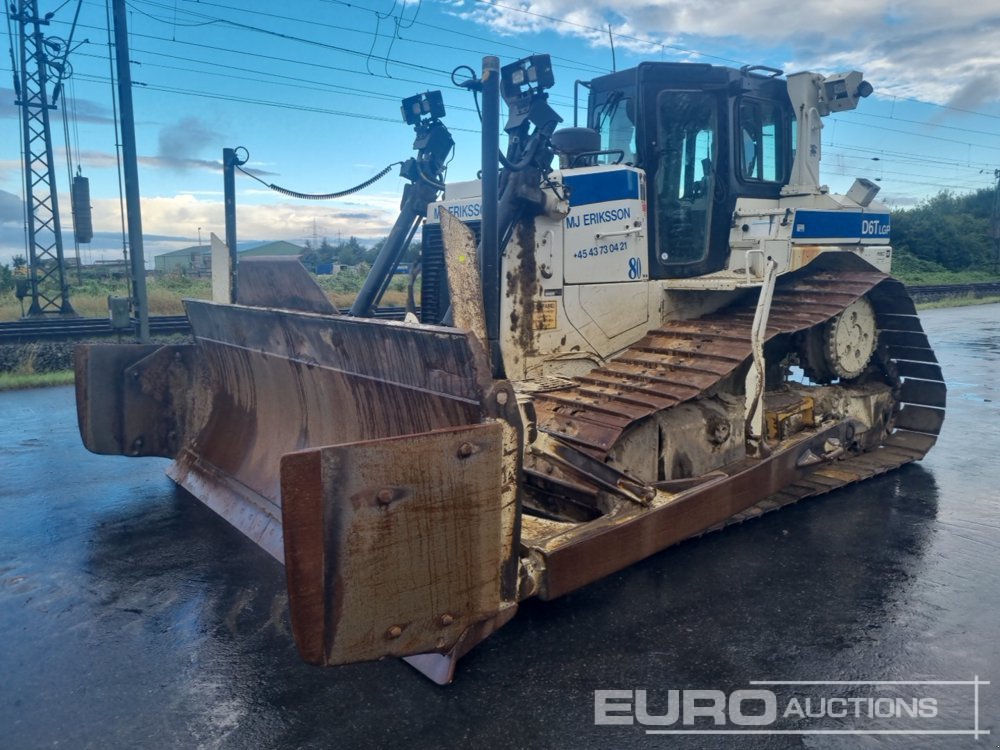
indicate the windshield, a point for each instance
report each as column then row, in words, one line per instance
column 615, row 121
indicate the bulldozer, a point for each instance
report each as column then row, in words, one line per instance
column 630, row 333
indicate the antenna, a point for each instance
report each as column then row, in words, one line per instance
column 996, row 222
column 611, row 38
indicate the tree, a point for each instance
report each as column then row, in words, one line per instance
column 950, row 230
column 309, row 258
column 350, row 253
column 326, row 251
column 412, row 252
column 6, row 278
column 313, row 257
column 19, row 262
column 410, row 255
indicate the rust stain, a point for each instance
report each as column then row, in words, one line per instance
column 302, row 491
column 522, row 287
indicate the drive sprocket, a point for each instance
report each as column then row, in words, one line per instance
column 843, row 346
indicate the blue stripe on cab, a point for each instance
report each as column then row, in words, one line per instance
column 601, row 187
column 852, row 224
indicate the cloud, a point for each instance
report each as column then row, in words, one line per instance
column 93, row 159
column 952, row 59
column 181, row 216
column 900, row 200
column 171, row 223
column 186, row 138
column 917, row 49
column 976, row 91
column 169, row 162
column 106, row 160
column 84, row 110
column 7, row 107
column 11, row 208
column 181, row 142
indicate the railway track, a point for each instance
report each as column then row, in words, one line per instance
column 69, row 329
column 62, row 329
column 29, row 330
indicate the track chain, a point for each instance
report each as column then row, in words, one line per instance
column 685, row 360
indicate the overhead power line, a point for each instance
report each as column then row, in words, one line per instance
column 446, row 75
column 913, row 134
column 289, row 37
column 256, row 74
column 435, row 71
column 906, row 155
column 261, row 102
column 948, row 107
column 925, row 123
column 304, row 83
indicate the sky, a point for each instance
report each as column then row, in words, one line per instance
column 311, row 89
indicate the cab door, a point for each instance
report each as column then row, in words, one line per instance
column 686, row 183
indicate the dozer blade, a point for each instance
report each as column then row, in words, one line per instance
column 406, row 409
column 273, row 382
column 131, row 399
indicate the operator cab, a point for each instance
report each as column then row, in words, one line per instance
column 705, row 136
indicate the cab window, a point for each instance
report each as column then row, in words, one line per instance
column 761, row 141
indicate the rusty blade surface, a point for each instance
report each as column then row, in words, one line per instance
column 395, row 547
column 280, row 282
column 272, row 382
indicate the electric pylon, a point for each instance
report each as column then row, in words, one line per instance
column 42, row 65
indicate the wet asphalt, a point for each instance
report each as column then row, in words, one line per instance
column 132, row 617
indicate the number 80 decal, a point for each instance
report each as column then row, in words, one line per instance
column 634, row 268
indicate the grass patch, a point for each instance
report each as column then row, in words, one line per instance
column 343, row 288
column 165, row 293
column 945, row 277
column 966, row 300
column 913, row 270
column 10, row 381
column 90, row 299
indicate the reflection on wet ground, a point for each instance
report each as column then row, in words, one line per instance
column 133, row 617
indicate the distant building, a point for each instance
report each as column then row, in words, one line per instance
column 273, row 248
column 329, row 268
column 197, row 260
